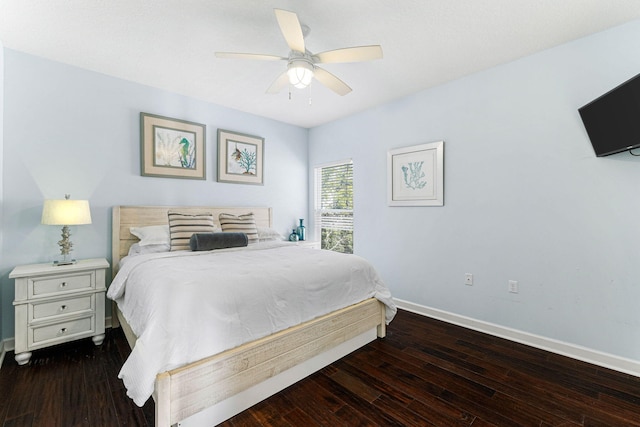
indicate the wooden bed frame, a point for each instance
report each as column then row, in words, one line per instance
column 214, row 389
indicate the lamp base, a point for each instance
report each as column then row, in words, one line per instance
column 64, row 262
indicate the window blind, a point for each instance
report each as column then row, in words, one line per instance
column 334, row 206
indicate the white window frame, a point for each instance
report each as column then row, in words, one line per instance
column 317, row 211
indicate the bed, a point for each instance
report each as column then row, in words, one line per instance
column 211, row 389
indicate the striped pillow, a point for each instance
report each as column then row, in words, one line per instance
column 239, row 224
column 183, row 225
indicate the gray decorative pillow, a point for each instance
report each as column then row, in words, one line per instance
column 183, row 225
column 239, row 224
column 211, row 241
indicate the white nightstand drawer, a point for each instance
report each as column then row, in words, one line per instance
column 50, row 285
column 62, row 332
column 62, row 307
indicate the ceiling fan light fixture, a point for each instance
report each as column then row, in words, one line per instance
column 302, row 65
column 300, row 73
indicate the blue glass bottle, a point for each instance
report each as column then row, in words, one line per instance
column 293, row 237
column 302, row 230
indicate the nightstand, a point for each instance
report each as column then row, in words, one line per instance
column 313, row 244
column 58, row 304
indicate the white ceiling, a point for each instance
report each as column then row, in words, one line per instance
column 170, row 44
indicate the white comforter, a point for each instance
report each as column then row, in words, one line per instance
column 184, row 306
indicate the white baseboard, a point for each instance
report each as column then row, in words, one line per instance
column 9, row 344
column 5, row 345
column 621, row 364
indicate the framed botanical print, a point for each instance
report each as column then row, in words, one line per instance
column 171, row 148
column 240, row 158
column 415, row 175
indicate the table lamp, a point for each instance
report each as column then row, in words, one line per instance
column 66, row 212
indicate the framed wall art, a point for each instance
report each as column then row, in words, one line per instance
column 415, row 175
column 171, row 148
column 240, row 158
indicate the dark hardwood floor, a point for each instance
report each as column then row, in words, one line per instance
column 424, row 373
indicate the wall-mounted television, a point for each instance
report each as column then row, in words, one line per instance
column 612, row 120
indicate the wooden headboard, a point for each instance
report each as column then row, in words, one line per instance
column 125, row 217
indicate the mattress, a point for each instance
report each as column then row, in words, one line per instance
column 184, row 306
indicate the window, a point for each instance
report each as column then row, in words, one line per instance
column 334, row 206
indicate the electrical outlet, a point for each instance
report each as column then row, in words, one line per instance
column 468, row 279
column 513, row 286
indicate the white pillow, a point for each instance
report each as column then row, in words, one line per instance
column 152, row 235
column 266, row 234
column 136, row 249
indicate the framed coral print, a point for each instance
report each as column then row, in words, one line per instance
column 240, row 158
column 415, row 175
column 171, row 148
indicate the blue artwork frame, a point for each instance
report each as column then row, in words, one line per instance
column 240, row 158
column 415, row 175
column 171, row 148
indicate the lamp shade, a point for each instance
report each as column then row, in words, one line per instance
column 66, row 212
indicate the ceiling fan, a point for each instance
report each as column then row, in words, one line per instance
column 301, row 64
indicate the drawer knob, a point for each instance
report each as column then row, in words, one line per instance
column 63, row 307
column 62, row 331
column 63, row 284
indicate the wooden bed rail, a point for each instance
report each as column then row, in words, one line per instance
column 183, row 392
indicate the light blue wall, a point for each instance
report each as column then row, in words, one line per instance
column 68, row 130
column 1, row 168
column 525, row 197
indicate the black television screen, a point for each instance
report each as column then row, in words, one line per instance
column 613, row 120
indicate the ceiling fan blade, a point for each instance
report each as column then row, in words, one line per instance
column 258, row 56
column 331, row 81
column 291, row 29
column 279, row 83
column 349, row 54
